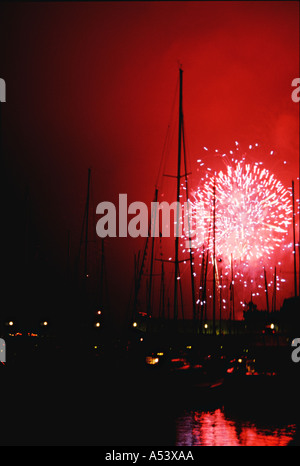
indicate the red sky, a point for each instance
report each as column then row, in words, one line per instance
column 92, row 85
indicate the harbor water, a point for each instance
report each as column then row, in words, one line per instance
column 85, row 409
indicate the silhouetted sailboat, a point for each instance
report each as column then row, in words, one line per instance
column 176, row 356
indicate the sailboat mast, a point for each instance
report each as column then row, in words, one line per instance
column 162, row 293
column 221, row 300
column 266, row 291
column 189, row 226
column 232, row 310
column 140, row 268
column 214, row 257
column 176, row 277
column 149, row 309
column 274, row 292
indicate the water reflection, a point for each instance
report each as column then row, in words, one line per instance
column 213, row 428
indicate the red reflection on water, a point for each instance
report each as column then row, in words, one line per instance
column 214, row 429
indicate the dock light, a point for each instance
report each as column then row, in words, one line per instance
column 97, row 324
column 45, row 323
column 10, row 323
column 240, row 360
column 272, row 326
column 205, row 326
column 134, row 324
column 99, row 313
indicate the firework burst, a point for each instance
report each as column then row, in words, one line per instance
column 253, row 219
column 253, row 212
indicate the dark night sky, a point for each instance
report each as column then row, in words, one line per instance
column 92, row 85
